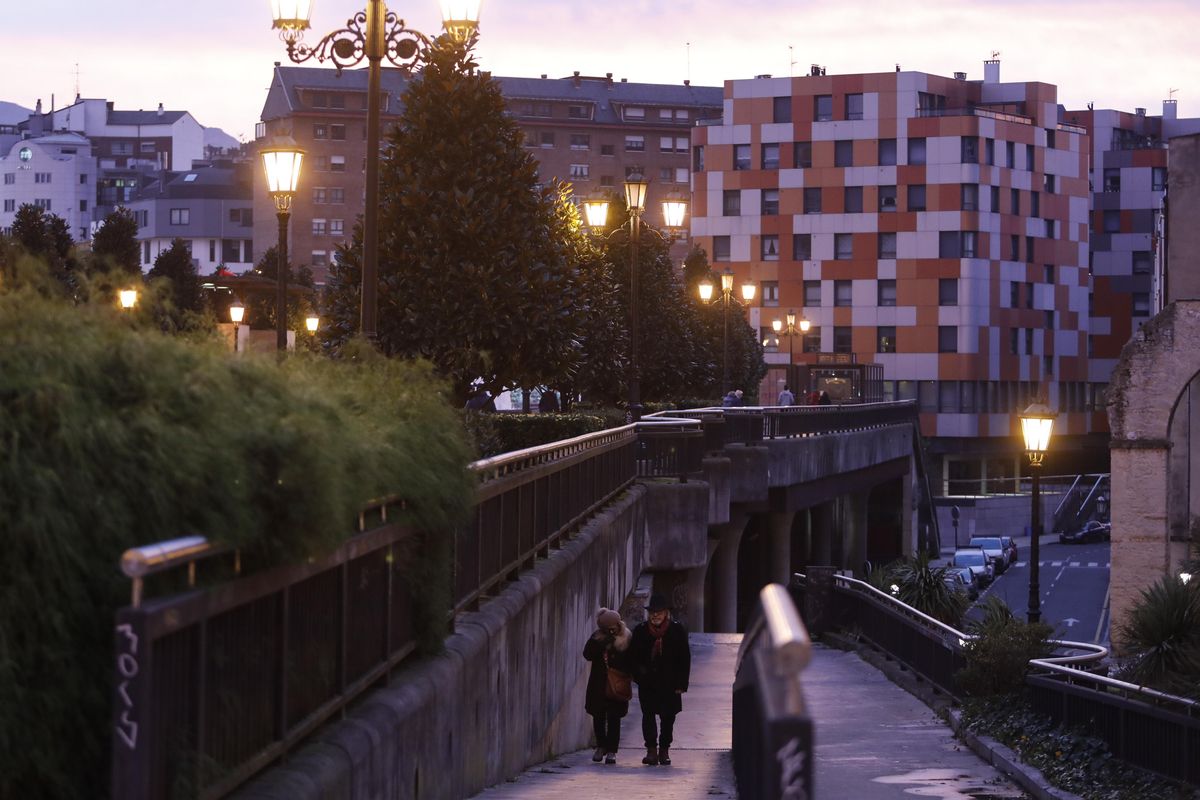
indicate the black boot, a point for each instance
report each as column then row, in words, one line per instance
column 651, row 756
column 664, row 756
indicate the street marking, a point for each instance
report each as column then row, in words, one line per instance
column 1055, row 563
column 1093, row 564
column 1075, row 564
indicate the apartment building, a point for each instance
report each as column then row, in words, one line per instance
column 55, row 172
column 935, row 226
column 588, row 131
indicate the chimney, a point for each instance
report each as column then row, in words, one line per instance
column 1170, row 109
column 624, row 80
column 960, row 76
column 1141, row 112
column 160, row 109
column 575, row 80
column 687, row 82
column 763, row 76
column 543, row 76
column 991, row 70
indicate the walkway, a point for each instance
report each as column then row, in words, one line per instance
column 874, row 741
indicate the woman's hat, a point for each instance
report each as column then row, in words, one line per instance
column 607, row 618
column 658, row 602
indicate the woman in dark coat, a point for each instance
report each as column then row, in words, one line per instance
column 662, row 665
column 607, row 648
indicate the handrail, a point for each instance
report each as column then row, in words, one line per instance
column 1067, row 495
column 789, row 637
column 138, row 562
column 574, row 445
column 1185, row 705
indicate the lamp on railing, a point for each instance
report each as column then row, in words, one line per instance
column 726, row 297
column 1037, row 425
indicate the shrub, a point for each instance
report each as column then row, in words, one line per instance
column 112, row 437
column 998, row 656
column 503, row 433
column 923, row 587
column 1162, row 633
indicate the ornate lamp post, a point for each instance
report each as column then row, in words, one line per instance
column 281, row 162
column 1037, row 423
column 793, row 329
column 726, row 297
column 372, row 35
column 596, row 215
column 237, row 313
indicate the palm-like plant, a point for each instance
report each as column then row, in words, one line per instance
column 924, row 588
column 1163, row 634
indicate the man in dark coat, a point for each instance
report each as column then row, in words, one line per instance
column 608, row 648
column 662, row 663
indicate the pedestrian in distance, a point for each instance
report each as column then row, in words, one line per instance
column 609, row 686
column 662, row 663
column 786, row 398
column 825, row 401
column 733, row 399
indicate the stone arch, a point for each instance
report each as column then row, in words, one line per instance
column 1149, row 393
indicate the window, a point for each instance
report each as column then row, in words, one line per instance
column 887, row 245
column 1028, row 295
column 995, row 199
column 731, row 203
column 41, row 177
column 579, row 172
column 887, row 198
column 1049, row 228
column 337, row 227
column 1010, row 154
column 1029, row 341
column 337, row 163
column 947, row 339
column 635, row 112
column 1048, row 183
column 969, row 145
column 1029, row 158
column 720, row 248
column 802, row 154
column 823, row 107
column 887, row 152
column 582, row 141
column 1158, row 179
column 535, row 109
column 635, row 144
column 337, row 131
column 697, row 158
column 770, row 293
column 1014, row 341
column 1035, row 204
column 318, row 227
column 1014, row 201
column 843, row 153
column 801, row 246
column 181, row 216
column 770, row 341
column 812, row 200
column 843, row 339
column 10, row 204
column 320, row 130
column 843, row 294
column 843, row 246
column 318, row 195
column 681, row 174
column 782, row 110
column 1112, row 180
column 337, row 195
column 11, row 177
column 212, row 249
column 769, row 247
column 1141, row 304
column 1048, row 272
column 969, row 194
column 885, row 339
column 916, row 197
column 1014, row 295
column 968, row 244
column 949, row 244
column 1049, row 323
column 1050, row 138
column 916, row 151
column 885, row 291
column 989, row 151
column 548, row 139
column 741, row 156
column 770, row 156
column 606, row 180
column 122, row 148
column 1014, row 247
column 812, row 340
column 145, row 249
column 1141, row 262
column 948, row 291
column 854, row 106
column 948, row 397
column 770, row 202
column 1112, row 221
column 578, row 112
column 320, row 100
column 611, row 150
column 320, row 163
column 853, row 200
column 143, row 218
column 1028, row 249
column 337, row 101
column 812, row 294
column 319, row 258
column 1048, row 365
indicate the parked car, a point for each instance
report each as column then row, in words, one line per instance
column 1011, row 547
column 974, row 559
column 963, row 580
column 1093, row 531
column 995, row 550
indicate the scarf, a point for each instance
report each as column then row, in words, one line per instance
column 657, row 631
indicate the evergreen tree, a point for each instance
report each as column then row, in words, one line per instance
column 115, row 245
column 48, row 238
column 186, row 298
column 260, row 307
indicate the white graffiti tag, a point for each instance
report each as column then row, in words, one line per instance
column 127, row 668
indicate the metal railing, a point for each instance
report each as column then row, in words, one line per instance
column 772, row 730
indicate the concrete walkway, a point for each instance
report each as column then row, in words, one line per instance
column 874, row 740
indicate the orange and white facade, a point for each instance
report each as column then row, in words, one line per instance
column 935, row 226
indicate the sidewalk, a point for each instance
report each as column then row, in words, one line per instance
column 874, row 740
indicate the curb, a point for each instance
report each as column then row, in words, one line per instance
column 998, row 755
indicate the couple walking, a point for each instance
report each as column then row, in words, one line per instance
column 656, row 656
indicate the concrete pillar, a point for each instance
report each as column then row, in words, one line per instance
column 908, row 512
column 853, row 515
column 780, row 527
column 802, row 540
column 723, row 572
column 695, row 594
column 822, row 533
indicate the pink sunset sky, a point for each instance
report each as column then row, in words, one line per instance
column 214, row 58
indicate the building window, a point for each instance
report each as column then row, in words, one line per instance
column 320, row 163
column 1050, row 138
column 1028, row 295
column 887, row 152
column 1014, row 201
column 843, row 339
column 769, row 247
column 635, row 144
column 1141, row 262
column 811, row 341
column 581, row 141
column 1029, row 158
column 318, row 195
column 697, row 157
column 853, row 200
column 1112, row 180
column 887, row 245
column 989, row 151
column 885, row 291
column 635, row 112
column 1048, row 184
column 887, row 198
column 947, row 339
column 741, row 156
column 995, row 199
column 337, row 132
column 949, row 244
column 770, row 293
column 1014, row 247
column 319, row 258
column 606, row 180
column 968, row 244
column 812, row 294
column 854, row 106
column 1049, row 323
column 770, row 156
column 1035, row 204
column 337, row 195
column 1047, row 365
column 11, row 177
column 1112, row 221
column 885, row 339
column 720, row 248
column 843, row 293
column 843, row 153
column 812, row 200
column 916, row 151
column 318, row 227
column 181, row 216
column 1048, row 272
column 782, row 110
column 801, row 246
column 1014, row 341
column 770, row 202
column 916, row 197
column 41, row 177
column 1049, row 228
column 1158, row 179
column 579, row 172
column 1029, row 341
column 10, row 204
column 547, row 140
column 1014, row 295
column 970, row 197
column 320, row 130
column 1141, row 304
column 337, row 163
column 843, row 246
column 731, row 203
column 970, row 149
column 145, row 251
column 681, row 174
column 802, row 154
column 611, row 150
column 577, row 112
column 948, row 291
column 823, row 107
column 1028, row 249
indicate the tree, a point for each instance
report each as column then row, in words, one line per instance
column 115, row 245
column 48, row 238
column 260, row 311
column 186, row 298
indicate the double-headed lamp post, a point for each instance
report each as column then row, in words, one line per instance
column 1037, row 424
column 374, row 34
column 281, row 161
column 596, row 215
column 726, row 296
column 792, row 330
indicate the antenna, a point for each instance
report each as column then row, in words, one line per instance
column 791, row 61
column 77, row 94
column 689, row 61
column 1171, row 93
column 995, row 54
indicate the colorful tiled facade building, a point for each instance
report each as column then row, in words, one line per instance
column 935, row 226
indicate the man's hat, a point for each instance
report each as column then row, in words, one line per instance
column 658, row 602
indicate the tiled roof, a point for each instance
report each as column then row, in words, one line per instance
column 144, row 117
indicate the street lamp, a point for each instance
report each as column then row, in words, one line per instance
column 128, row 298
column 372, row 35
column 595, row 212
column 312, row 322
column 237, row 312
column 281, row 162
column 726, row 297
column 1037, row 424
column 793, row 329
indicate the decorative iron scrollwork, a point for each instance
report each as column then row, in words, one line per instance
column 347, row 47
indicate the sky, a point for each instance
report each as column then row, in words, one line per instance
column 214, row 58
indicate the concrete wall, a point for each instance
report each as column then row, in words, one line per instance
column 507, row 694
column 1183, row 242
column 1000, row 515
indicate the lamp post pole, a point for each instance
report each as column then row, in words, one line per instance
column 726, row 297
column 281, row 163
column 634, row 411
column 374, row 51
column 281, row 280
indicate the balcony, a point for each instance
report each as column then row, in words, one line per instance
column 974, row 111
